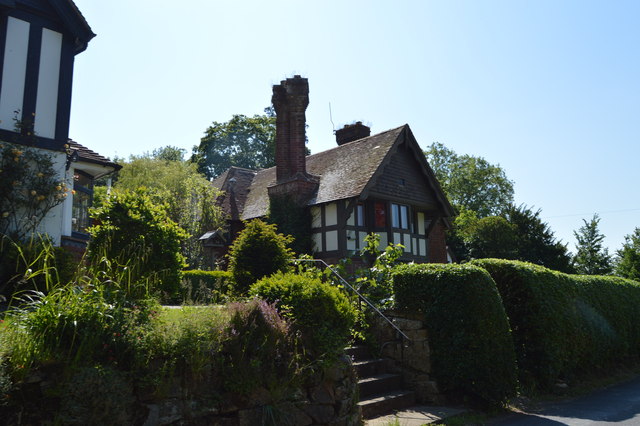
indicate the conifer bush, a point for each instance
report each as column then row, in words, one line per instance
column 258, row 251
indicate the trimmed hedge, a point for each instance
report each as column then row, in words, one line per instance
column 472, row 350
column 566, row 325
column 322, row 313
column 205, row 286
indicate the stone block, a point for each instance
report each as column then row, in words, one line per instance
column 320, row 413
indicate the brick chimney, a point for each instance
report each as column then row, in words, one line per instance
column 352, row 132
column 290, row 100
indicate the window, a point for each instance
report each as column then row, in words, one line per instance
column 82, row 198
column 380, row 210
column 360, row 215
column 399, row 216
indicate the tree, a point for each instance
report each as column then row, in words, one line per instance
column 591, row 257
column 470, row 182
column 628, row 261
column 187, row 195
column 518, row 234
column 243, row 141
column 535, row 240
column 493, row 236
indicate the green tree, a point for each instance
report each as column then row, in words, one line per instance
column 493, row 236
column 243, row 141
column 535, row 241
column 258, row 251
column 133, row 229
column 628, row 257
column 177, row 184
column 470, row 182
column 591, row 257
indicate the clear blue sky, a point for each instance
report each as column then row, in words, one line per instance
column 548, row 89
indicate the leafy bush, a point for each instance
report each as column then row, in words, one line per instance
column 30, row 186
column 33, row 265
column 258, row 349
column 471, row 346
column 131, row 226
column 258, row 251
column 566, row 325
column 205, row 286
column 321, row 312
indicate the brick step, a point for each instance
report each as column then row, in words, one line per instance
column 386, row 403
column 358, row 353
column 379, row 384
column 371, row 367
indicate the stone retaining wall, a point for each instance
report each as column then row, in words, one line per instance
column 329, row 397
column 409, row 357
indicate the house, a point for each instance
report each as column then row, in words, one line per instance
column 368, row 183
column 38, row 43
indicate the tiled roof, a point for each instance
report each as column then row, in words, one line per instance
column 243, row 179
column 89, row 156
column 344, row 172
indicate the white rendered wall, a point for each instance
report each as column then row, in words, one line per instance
column 58, row 220
column 14, row 71
column 48, row 79
column 331, row 214
column 331, row 238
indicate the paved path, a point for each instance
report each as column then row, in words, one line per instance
column 416, row 416
column 618, row 404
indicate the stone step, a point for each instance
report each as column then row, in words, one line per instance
column 371, row 367
column 358, row 353
column 385, row 403
column 379, row 384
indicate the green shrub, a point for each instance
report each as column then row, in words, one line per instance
column 566, row 325
column 471, row 347
column 130, row 226
column 258, row 349
column 205, row 286
column 257, row 252
column 321, row 313
column 23, row 266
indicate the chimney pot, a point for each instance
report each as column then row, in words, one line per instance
column 352, row 132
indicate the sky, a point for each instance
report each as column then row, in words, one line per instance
column 547, row 89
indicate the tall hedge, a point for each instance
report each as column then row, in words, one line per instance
column 471, row 347
column 566, row 325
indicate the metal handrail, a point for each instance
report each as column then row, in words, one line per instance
column 356, row 292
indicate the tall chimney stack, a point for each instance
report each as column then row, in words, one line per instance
column 290, row 100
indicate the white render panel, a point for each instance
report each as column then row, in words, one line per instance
column 421, row 223
column 331, row 238
column 58, row 220
column 396, row 238
column 351, row 221
column 48, row 79
column 423, row 247
column 331, row 214
column 414, row 246
column 14, row 71
column 316, row 217
column 317, row 241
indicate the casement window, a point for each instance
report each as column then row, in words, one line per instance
column 82, row 200
column 359, row 215
column 380, row 214
column 399, row 216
